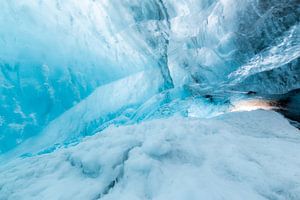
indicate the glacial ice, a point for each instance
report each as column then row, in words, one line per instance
column 96, row 111
column 56, row 53
column 133, row 99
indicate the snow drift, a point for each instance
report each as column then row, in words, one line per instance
column 242, row 155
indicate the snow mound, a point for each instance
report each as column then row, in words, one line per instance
column 243, row 155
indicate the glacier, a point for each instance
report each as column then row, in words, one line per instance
column 56, row 53
column 155, row 99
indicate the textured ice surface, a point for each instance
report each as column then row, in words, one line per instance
column 56, row 53
column 96, row 111
column 131, row 99
column 242, row 155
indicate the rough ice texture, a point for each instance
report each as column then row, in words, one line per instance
column 243, row 155
column 55, row 53
column 93, row 113
column 69, row 68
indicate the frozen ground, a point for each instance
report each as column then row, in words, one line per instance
column 241, row 155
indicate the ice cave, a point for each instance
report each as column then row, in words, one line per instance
column 150, row 100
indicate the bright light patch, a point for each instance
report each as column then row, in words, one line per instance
column 253, row 104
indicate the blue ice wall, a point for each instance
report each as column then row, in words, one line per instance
column 55, row 55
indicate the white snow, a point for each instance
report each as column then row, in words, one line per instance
column 242, row 155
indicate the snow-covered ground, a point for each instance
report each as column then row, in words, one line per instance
column 240, row 155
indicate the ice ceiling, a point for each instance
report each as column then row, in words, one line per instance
column 70, row 68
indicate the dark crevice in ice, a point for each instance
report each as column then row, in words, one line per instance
column 120, row 167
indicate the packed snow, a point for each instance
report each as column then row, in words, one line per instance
column 240, row 155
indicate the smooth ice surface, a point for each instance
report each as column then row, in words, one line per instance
column 241, row 155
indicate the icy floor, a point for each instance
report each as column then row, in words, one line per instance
column 243, row 155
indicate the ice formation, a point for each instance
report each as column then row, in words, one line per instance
column 176, row 74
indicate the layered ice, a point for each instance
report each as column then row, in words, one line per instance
column 112, row 103
column 133, row 99
column 54, row 54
